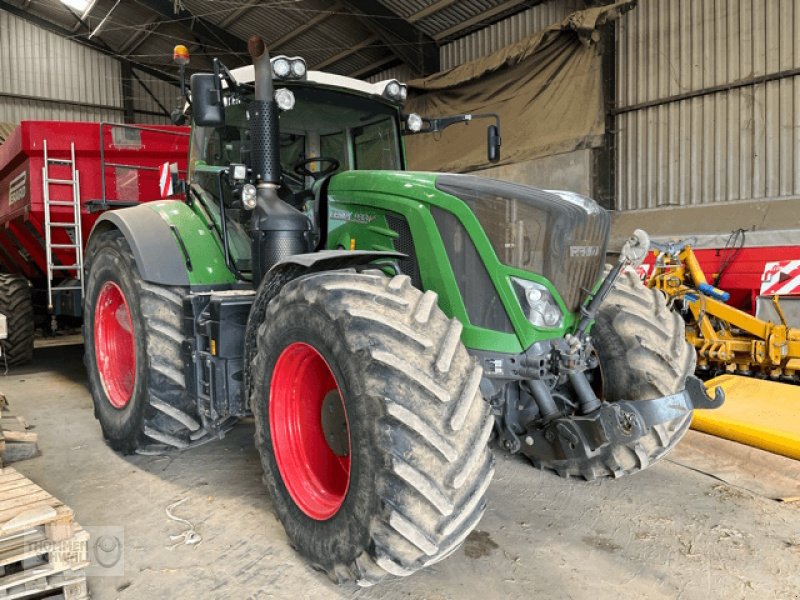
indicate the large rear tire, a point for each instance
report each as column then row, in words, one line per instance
column 370, row 424
column 16, row 304
column 643, row 355
column 132, row 333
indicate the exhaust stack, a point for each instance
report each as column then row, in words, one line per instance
column 277, row 230
column 265, row 153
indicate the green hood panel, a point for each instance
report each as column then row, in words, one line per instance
column 411, row 184
column 366, row 207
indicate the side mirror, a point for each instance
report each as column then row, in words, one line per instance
column 207, row 107
column 493, row 143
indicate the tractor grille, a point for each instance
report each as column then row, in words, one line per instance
column 580, row 273
column 559, row 235
column 405, row 244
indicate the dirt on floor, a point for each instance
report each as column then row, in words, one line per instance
column 669, row 532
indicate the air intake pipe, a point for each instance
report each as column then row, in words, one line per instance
column 277, row 229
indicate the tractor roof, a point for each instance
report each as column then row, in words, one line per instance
column 247, row 75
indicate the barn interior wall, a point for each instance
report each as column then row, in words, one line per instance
column 708, row 109
column 46, row 76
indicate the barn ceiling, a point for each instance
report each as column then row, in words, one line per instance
column 350, row 37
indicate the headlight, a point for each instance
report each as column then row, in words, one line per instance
column 284, row 98
column 537, row 303
column 281, row 67
column 299, row 68
column 238, row 172
column 288, row 67
column 403, row 93
column 392, row 90
column 414, row 122
column 249, row 196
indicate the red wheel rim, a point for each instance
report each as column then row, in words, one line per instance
column 316, row 477
column 115, row 350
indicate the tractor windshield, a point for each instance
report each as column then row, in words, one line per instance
column 359, row 133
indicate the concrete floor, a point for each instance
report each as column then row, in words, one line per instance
column 669, row 532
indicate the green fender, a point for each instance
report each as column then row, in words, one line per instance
column 171, row 242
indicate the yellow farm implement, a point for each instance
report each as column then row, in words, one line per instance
column 727, row 339
column 764, row 414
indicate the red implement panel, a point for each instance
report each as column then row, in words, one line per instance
column 116, row 163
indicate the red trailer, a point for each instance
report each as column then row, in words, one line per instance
column 56, row 178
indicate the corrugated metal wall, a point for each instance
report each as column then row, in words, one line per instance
column 726, row 145
column 166, row 93
column 510, row 30
column 46, row 76
column 400, row 72
column 51, row 70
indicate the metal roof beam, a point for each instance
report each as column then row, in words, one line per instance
column 297, row 31
column 346, row 52
column 429, row 10
column 480, row 18
column 138, row 38
column 373, row 67
column 415, row 48
column 206, row 32
column 238, row 12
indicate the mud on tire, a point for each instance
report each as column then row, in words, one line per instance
column 159, row 414
column 419, row 463
column 643, row 355
column 16, row 304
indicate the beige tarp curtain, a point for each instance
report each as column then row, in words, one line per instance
column 546, row 88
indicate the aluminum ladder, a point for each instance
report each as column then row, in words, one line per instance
column 72, row 228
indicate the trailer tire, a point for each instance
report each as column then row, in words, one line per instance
column 17, row 305
column 133, row 353
column 643, row 355
column 413, row 463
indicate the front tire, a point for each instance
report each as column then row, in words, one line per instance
column 16, row 304
column 643, row 355
column 132, row 333
column 395, row 479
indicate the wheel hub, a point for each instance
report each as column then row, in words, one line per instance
column 309, row 431
column 115, row 346
column 334, row 424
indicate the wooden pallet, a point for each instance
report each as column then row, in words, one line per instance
column 16, row 441
column 42, row 548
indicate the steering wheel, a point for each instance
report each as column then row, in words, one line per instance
column 301, row 167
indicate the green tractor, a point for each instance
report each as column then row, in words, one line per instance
column 380, row 325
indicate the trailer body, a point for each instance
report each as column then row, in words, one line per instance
column 115, row 165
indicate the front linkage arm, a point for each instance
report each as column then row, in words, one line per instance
column 632, row 254
column 573, row 440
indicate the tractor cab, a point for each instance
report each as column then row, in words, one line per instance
column 328, row 124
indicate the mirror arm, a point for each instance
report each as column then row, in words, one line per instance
column 436, row 125
column 222, row 72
